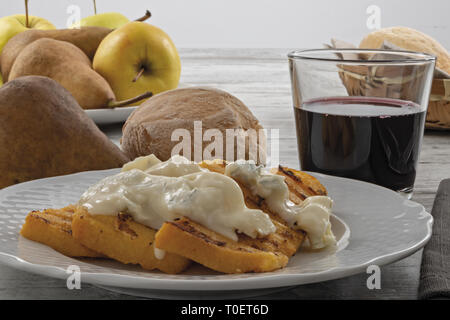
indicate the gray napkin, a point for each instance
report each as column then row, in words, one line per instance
column 435, row 270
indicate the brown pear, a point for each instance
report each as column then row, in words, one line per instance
column 44, row 133
column 69, row 66
column 85, row 38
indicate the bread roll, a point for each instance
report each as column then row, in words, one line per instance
column 149, row 129
column 408, row 39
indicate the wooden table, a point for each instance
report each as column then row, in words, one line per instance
column 260, row 78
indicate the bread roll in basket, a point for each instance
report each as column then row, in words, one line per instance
column 377, row 82
column 438, row 115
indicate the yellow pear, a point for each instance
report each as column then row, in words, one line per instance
column 136, row 58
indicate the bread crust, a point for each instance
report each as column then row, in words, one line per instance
column 149, row 129
column 408, row 39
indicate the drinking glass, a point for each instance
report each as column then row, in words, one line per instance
column 361, row 113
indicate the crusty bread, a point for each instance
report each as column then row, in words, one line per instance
column 53, row 227
column 408, row 39
column 149, row 128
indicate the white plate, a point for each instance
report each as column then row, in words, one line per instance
column 115, row 115
column 109, row 116
column 384, row 228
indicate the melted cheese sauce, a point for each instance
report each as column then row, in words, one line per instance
column 158, row 253
column 312, row 215
column 154, row 192
column 176, row 166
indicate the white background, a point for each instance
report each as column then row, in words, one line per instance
column 258, row 23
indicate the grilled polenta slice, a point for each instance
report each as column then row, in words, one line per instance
column 53, row 227
column 301, row 185
column 197, row 243
column 190, row 239
column 121, row 238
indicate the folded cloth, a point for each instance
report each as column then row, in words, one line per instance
column 435, row 269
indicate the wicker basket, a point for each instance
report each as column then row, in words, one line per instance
column 438, row 115
column 370, row 81
column 374, row 82
column 379, row 81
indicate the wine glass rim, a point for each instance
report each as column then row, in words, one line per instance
column 409, row 56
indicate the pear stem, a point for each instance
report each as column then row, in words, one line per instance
column 147, row 15
column 27, row 24
column 95, row 7
column 116, row 104
column 138, row 75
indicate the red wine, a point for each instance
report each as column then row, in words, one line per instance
column 372, row 139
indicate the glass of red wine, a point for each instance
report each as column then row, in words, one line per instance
column 361, row 113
